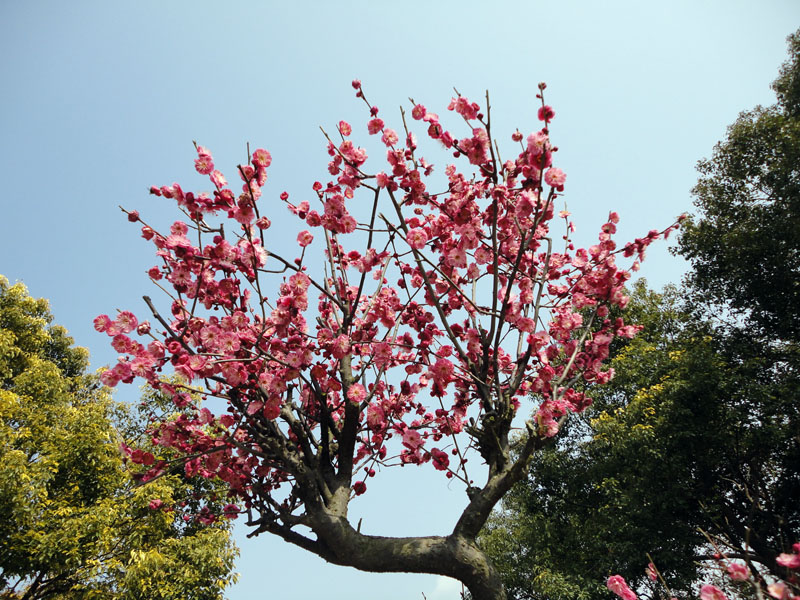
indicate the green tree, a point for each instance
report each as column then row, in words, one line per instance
column 690, row 435
column 700, row 429
column 72, row 523
column 744, row 245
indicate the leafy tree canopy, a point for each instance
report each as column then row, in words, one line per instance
column 743, row 246
column 72, row 524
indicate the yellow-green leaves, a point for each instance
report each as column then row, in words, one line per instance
column 72, row 522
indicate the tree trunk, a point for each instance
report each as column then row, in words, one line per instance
column 453, row 556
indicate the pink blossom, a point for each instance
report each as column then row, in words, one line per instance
column 262, row 158
column 417, row 238
column 218, row 179
column 738, row 571
column 389, row 137
column 442, row 371
column 418, row 112
column 109, row 378
column 304, row 238
column 340, row 346
column 617, row 584
column 538, row 142
column 555, row 177
column 357, row 393
column 102, row 322
column 344, row 128
column 440, row 459
column 126, row 321
column 382, row 179
column 711, row 592
column 412, row 439
column 374, row 126
column 546, row 113
column 204, row 164
column 779, row 590
column 790, row 561
column 359, row 487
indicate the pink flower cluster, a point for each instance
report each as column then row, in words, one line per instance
column 462, row 296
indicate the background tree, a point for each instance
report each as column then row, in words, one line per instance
column 699, row 428
column 72, row 524
column 743, row 246
column 687, row 436
column 437, row 306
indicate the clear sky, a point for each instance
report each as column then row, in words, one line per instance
column 99, row 100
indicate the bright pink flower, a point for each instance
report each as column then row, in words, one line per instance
column 652, row 574
column 262, row 158
column 204, row 164
column 102, row 323
column 442, row 371
column 357, row 393
column 418, row 112
column 440, row 459
column 555, row 177
column 546, row 113
column 344, row 128
column 126, row 321
column 382, row 179
column 617, row 584
column 538, row 142
column 304, row 238
column 412, row 439
column 155, row 504
column 340, row 346
column 711, row 592
column 417, row 238
column 374, row 126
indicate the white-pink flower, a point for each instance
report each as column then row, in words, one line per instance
column 790, row 561
column 712, row 592
column 738, row 571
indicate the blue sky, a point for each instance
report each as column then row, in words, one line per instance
column 102, row 99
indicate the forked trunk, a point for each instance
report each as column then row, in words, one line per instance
column 453, row 556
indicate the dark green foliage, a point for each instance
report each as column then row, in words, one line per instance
column 744, row 245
